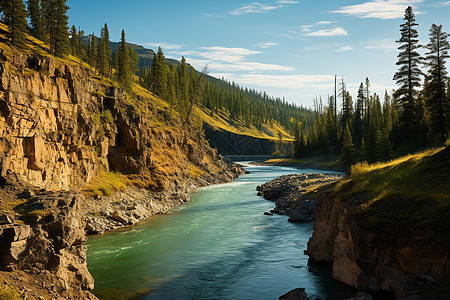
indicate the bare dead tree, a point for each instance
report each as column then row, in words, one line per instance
column 197, row 91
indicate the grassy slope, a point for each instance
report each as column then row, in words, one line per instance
column 107, row 183
column 221, row 122
column 409, row 192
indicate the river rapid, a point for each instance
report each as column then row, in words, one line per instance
column 217, row 246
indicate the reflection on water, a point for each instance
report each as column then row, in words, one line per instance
column 217, row 246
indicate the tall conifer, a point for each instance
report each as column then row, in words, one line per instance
column 14, row 15
column 73, row 35
column 435, row 90
column 347, row 149
column 408, row 78
column 36, row 19
column 124, row 65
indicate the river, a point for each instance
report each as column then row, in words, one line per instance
column 217, row 246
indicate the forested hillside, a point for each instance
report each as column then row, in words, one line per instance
column 376, row 128
column 176, row 82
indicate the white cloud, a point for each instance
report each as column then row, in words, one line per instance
column 337, row 31
column 255, row 7
column 267, row 45
column 226, row 54
column 228, row 59
column 386, row 45
column 164, row 46
column 447, row 3
column 287, row 2
column 379, row 9
column 242, row 66
column 279, row 81
column 258, row 8
column 345, row 48
column 316, row 29
column 324, row 22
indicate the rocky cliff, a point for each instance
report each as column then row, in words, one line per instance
column 61, row 128
column 383, row 242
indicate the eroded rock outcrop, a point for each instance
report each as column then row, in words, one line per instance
column 51, row 249
column 295, row 195
column 402, row 260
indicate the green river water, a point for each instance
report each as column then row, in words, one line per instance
column 217, row 246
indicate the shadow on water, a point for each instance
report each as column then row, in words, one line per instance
column 216, row 280
column 233, row 276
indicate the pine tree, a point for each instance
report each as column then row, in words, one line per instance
column 408, row 77
column 14, row 15
column 159, row 75
column 115, row 60
column 437, row 101
column 56, row 25
column 124, row 64
column 347, row 149
column 182, row 92
column 134, row 57
column 92, row 50
column 36, row 20
column 172, row 85
column 104, row 52
column 359, row 111
column 347, row 108
column 74, row 40
column 363, row 154
column 81, row 49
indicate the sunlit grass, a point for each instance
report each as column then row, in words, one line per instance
column 195, row 172
column 106, row 183
column 413, row 189
column 364, row 167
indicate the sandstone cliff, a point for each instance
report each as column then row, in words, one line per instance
column 61, row 128
column 389, row 241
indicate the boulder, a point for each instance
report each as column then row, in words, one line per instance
column 295, row 294
column 13, row 242
column 119, row 217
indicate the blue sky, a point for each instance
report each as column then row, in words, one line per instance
column 289, row 48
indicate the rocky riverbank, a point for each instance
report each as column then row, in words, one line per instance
column 135, row 204
column 295, row 195
column 42, row 251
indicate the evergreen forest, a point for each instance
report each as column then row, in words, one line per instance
column 366, row 127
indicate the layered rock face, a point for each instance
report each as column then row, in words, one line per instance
column 401, row 260
column 59, row 126
column 46, row 138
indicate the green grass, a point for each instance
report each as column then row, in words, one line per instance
column 106, row 183
column 410, row 191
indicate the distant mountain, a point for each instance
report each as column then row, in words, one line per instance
column 145, row 55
